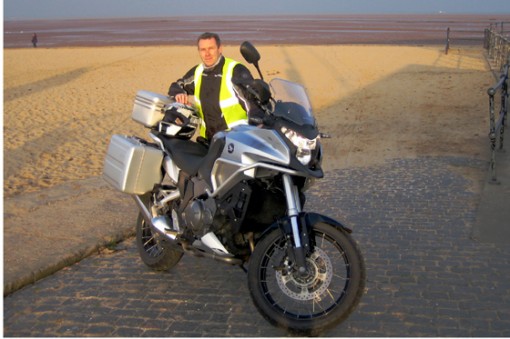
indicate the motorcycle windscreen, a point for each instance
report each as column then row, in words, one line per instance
column 292, row 102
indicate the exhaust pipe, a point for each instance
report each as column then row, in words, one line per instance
column 158, row 224
column 147, row 216
column 197, row 252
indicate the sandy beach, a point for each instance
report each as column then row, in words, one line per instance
column 62, row 105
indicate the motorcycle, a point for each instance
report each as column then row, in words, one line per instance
column 240, row 200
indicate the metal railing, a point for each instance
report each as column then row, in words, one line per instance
column 459, row 37
column 498, row 126
column 497, row 44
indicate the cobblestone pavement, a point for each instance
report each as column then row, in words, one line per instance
column 413, row 218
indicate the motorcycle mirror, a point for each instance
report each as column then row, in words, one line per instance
column 249, row 52
column 251, row 55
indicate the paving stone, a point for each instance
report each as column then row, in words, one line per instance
column 412, row 218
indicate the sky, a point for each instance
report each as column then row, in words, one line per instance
column 69, row 9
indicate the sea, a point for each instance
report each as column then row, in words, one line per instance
column 310, row 29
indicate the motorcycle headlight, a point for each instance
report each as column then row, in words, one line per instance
column 304, row 146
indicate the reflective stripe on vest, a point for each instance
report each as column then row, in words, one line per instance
column 232, row 111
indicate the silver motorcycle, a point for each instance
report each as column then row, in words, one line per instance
column 240, row 200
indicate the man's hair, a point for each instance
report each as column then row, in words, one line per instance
column 209, row 35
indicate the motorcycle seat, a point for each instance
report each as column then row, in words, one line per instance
column 195, row 158
column 188, row 155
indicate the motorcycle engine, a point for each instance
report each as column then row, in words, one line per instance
column 199, row 215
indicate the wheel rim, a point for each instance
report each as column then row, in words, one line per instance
column 310, row 296
column 150, row 242
column 311, row 286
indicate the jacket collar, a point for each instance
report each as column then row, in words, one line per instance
column 211, row 68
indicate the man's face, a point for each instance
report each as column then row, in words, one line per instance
column 209, row 51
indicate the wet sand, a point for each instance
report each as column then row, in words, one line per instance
column 309, row 30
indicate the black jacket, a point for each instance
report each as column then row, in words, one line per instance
column 210, row 94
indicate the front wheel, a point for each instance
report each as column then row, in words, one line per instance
column 325, row 296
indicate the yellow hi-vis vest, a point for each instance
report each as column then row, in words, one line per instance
column 231, row 109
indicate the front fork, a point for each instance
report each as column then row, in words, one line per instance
column 298, row 233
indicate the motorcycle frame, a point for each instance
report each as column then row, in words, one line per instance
column 298, row 232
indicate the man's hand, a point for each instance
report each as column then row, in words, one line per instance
column 256, row 121
column 182, row 98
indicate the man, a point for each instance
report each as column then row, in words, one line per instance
column 221, row 103
column 34, row 40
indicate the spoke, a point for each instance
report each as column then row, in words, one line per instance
column 344, row 279
column 148, row 241
column 328, row 291
column 319, row 307
column 150, row 249
column 322, row 239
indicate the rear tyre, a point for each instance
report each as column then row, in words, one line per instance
column 155, row 251
column 308, row 304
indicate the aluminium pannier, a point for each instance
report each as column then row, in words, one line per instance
column 131, row 165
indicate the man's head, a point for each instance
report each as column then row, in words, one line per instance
column 209, row 48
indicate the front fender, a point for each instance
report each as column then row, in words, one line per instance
column 309, row 219
column 313, row 219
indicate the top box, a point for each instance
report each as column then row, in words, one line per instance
column 148, row 106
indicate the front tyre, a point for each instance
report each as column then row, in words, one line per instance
column 322, row 298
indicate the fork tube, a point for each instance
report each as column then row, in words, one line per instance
column 293, row 207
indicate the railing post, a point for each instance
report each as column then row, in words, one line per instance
column 504, row 105
column 498, row 126
column 498, row 50
column 491, row 44
column 492, row 135
column 447, row 41
column 486, row 39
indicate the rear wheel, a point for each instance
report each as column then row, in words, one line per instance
column 320, row 299
column 154, row 250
